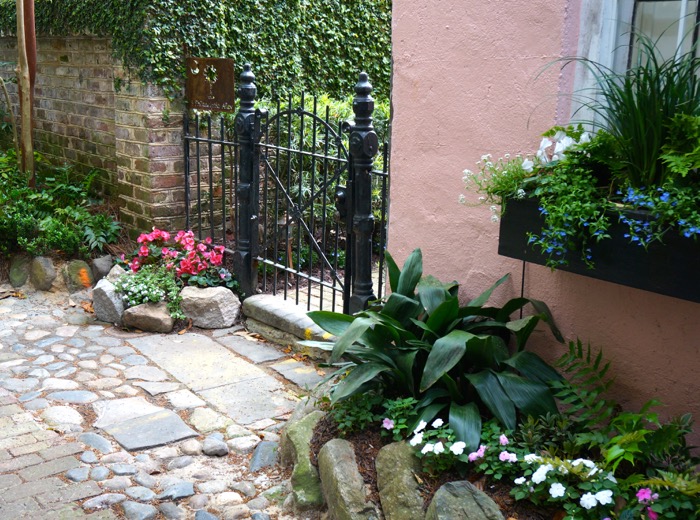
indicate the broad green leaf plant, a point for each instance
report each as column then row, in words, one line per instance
column 455, row 360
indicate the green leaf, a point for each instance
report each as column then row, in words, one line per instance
column 443, row 316
column 358, row 376
column 394, row 272
column 494, row 397
column 485, row 351
column 427, row 414
column 465, row 422
column 431, row 297
column 333, row 322
column 445, row 354
column 401, row 307
column 531, row 398
column 410, row 274
column 533, row 367
column 404, row 366
column 522, row 329
column 356, row 329
column 484, row 296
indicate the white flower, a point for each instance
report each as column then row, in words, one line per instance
column 493, row 209
column 506, row 156
column 427, row 449
column 585, row 462
column 585, row 138
column 467, row 173
column 611, row 477
column 541, row 473
column 482, row 199
column 437, row 423
column 519, row 480
column 563, row 470
column 462, row 199
column 528, row 165
column 421, row 426
column 494, row 218
column 439, row 448
column 559, row 135
column 520, row 194
column 564, row 144
column 604, row 497
column 416, row 440
column 458, row 447
column 544, row 144
column 557, row 490
column 486, row 157
column 531, row 457
column 588, row 501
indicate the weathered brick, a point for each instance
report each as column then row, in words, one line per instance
column 18, row 463
column 29, row 448
column 10, row 409
column 62, row 450
column 33, row 488
column 18, row 435
column 70, row 493
column 49, row 468
column 8, row 481
column 20, row 508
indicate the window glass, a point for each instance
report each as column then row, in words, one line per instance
column 666, row 23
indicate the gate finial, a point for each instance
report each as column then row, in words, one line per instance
column 247, row 89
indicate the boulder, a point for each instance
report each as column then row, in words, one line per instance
column 399, row 491
column 294, row 449
column 149, row 317
column 108, row 304
column 101, row 267
column 462, row 500
column 42, row 273
column 78, row 276
column 210, row 308
column 342, row 484
column 19, row 270
column 115, row 273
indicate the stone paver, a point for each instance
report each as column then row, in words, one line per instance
column 88, row 422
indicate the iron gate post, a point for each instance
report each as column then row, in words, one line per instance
column 363, row 147
column 248, row 186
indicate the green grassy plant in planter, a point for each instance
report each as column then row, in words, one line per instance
column 453, row 359
column 639, row 169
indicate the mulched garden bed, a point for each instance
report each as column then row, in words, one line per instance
column 367, row 445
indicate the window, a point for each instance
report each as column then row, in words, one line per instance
column 607, row 29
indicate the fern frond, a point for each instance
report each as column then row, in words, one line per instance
column 685, row 483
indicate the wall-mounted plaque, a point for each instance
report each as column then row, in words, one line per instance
column 210, row 84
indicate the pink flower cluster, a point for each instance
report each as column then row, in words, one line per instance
column 478, row 454
column 645, row 496
column 188, row 256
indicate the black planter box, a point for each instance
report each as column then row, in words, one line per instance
column 671, row 268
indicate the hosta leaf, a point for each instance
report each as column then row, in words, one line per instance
column 533, row 367
column 410, row 274
column 465, row 422
column 333, row 322
column 445, row 354
column 356, row 329
column 432, row 297
column 531, row 398
column 494, row 397
column 402, row 308
column 358, row 376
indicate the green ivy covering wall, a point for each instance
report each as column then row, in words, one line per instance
column 293, row 45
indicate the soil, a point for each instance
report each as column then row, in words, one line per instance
column 367, row 445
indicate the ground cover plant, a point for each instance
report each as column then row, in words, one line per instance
column 164, row 263
column 62, row 216
column 584, row 458
column 639, row 166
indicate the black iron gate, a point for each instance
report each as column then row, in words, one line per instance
column 300, row 198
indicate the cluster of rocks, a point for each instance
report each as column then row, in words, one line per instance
column 208, row 308
column 338, row 484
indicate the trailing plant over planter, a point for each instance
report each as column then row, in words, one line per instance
column 644, row 156
column 454, row 360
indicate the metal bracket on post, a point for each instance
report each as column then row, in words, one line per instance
column 247, row 191
column 364, row 145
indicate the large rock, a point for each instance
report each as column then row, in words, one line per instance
column 101, row 267
column 210, row 308
column 78, row 276
column 108, row 304
column 149, row 317
column 42, row 273
column 397, row 466
column 462, row 500
column 342, row 483
column 294, row 449
column 115, row 273
column 19, row 270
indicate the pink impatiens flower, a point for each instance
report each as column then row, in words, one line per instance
column 388, row 424
column 644, row 495
column 652, row 514
column 503, row 440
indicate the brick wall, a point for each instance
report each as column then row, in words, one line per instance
column 81, row 119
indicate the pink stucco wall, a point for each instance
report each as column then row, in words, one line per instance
column 464, row 85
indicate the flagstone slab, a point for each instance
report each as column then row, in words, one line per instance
column 215, row 365
column 146, row 373
column 301, row 374
column 158, row 388
column 256, row 351
column 252, row 400
column 115, row 411
column 149, row 431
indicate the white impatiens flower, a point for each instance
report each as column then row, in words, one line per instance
column 417, row 439
column 531, row 457
column 585, row 138
column 541, row 473
column 428, row 448
column 458, row 447
column 528, row 165
column 438, row 448
column 588, row 501
column 462, row 199
column 437, row 423
column 604, row 497
column 421, row 426
column 557, row 490
column 564, row 144
column 520, row 194
column 520, row 480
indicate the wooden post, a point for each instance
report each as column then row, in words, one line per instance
column 26, row 73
